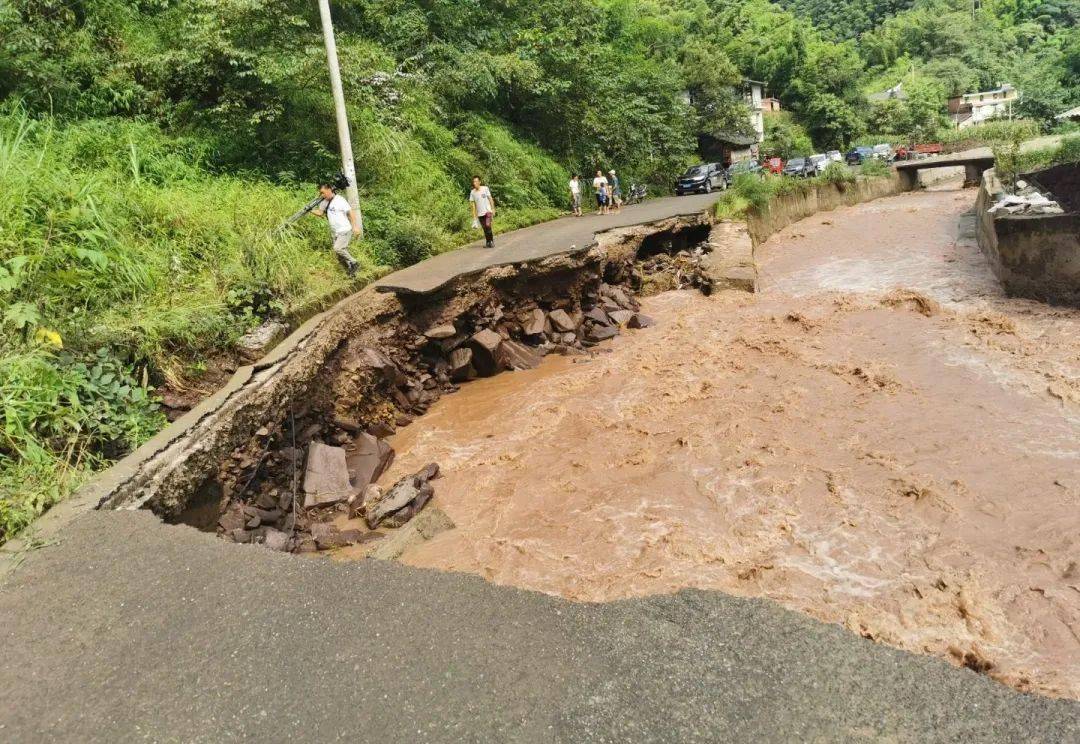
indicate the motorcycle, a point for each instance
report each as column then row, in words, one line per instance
column 637, row 194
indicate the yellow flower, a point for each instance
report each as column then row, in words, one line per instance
column 50, row 337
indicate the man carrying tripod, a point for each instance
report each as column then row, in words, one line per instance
column 343, row 224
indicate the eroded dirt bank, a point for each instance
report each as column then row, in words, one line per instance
column 879, row 439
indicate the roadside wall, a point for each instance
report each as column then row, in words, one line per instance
column 1033, row 256
column 790, row 208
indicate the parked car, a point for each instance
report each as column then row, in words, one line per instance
column 739, row 167
column 817, row 164
column 798, row 168
column 835, row 156
column 857, row 155
column 775, row 165
column 701, row 178
column 883, row 152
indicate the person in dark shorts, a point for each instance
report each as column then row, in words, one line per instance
column 483, row 209
column 600, row 186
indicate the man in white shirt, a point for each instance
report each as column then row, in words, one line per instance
column 343, row 224
column 600, row 186
column 575, row 195
column 483, row 209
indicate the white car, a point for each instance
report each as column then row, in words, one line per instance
column 818, row 163
column 835, row 156
column 883, row 152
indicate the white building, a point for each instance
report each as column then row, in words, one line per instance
column 973, row 108
column 754, row 91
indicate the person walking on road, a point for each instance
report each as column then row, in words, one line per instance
column 600, row 186
column 575, row 195
column 343, row 224
column 616, row 191
column 483, row 209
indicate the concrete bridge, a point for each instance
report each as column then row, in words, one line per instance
column 974, row 161
column 974, row 165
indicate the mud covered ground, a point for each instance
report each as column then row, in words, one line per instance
column 879, row 438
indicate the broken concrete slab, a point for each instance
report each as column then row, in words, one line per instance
column 326, row 475
column 426, row 525
column 412, row 490
column 367, row 459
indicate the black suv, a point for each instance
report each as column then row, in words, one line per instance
column 857, row 155
column 704, row 177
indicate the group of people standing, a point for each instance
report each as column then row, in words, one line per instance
column 608, row 192
column 344, row 223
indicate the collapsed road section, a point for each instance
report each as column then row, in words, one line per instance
column 296, row 447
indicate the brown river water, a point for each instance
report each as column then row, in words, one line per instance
column 879, row 438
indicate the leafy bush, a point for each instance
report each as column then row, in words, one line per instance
column 837, row 173
column 873, row 167
column 62, row 416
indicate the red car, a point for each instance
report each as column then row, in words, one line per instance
column 775, row 165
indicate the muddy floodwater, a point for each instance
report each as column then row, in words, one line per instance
column 879, row 438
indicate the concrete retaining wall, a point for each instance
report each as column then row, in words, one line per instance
column 1033, row 256
column 790, row 208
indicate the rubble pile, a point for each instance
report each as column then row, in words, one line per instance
column 1026, row 200
column 291, row 484
column 663, row 272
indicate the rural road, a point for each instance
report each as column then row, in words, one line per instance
column 535, row 242
column 123, row 628
column 128, row 629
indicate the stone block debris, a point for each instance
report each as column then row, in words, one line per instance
column 326, row 475
column 403, row 500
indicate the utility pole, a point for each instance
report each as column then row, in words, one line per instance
column 344, row 138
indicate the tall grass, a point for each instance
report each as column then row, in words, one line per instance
column 125, row 260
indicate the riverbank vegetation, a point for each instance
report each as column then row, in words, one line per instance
column 149, row 149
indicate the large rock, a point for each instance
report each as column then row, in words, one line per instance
column 597, row 315
column 374, row 361
column 597, row 333
column 368, row 458
column 440, row 332
column 621, row 317
column 520, row 356
column 619, row 296
column 562, row 321
column 461, row 368
column 488, row 356
column 409, row 494
column 326, row 475
column 639, row 320
column 534, row 324
column 255, row 343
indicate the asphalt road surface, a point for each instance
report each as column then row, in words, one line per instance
column 537, row 241
column 128, row 629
